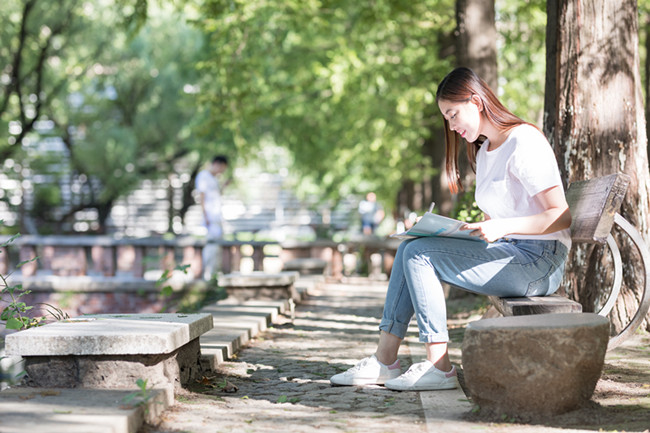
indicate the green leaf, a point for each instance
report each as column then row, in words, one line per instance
column 141, row 383
column 183, row 268
column 9, row 241
column 13, row 323
column 167, row 291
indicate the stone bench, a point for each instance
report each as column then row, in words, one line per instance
column 544, row 364
column 113, row 351
column 306, row 266
column 260, row 285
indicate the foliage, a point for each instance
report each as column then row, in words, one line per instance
column 93, row 98
column 343, row 85
column 140, row 397
column 103, row 95
column 466, row 209
column 166, row 289
column 521, row 56
column 15, row 313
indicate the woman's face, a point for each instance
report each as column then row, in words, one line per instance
column 463, row 117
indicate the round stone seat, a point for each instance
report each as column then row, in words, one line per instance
column 543, row 364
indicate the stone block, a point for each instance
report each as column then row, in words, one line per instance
column 306, row 266
column 260, row 285
column 113, row 351
column 543, row 364
column 167, row 371
column 110, row 334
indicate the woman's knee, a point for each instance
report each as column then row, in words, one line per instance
column 415, row 248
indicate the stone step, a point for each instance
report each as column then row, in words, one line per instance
column 78, row 410
column 234, row 325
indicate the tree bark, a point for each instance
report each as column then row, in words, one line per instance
column 476, row 38
column 647, row 67
column 476, row 48
column 594, row 119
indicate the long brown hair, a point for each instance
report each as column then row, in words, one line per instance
column 459, row 86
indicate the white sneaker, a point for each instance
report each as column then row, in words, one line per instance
column 423, row 376
column 368, row 371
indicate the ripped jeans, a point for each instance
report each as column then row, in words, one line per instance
column 505, row 268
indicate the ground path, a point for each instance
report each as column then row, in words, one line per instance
column 280, row 382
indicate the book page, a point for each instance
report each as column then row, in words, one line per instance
column 437, row 225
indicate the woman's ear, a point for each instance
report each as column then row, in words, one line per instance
column 477, row 101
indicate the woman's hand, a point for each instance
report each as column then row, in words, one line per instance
column 556, row 216
column 489, row 230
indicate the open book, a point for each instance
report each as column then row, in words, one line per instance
column 437, row 225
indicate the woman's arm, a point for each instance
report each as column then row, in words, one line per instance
column 555, row 217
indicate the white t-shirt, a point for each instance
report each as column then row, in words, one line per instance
column 509, row 177
column 208, row 184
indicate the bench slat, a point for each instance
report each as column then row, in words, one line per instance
column 535, row 305
column 593, row 204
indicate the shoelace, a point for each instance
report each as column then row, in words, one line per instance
column 416, row 368
column 360, row 365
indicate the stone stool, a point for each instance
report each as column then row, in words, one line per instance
column 542, row 364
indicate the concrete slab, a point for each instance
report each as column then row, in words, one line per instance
column 110, row 334
column 306, row 265
column 77, row 410
column 444, row 410
column 258, row 279
column 282, row 305
column 84, row 283
column 260, row 319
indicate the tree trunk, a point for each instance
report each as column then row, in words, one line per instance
column 647, row 68
column 594, row 119
column 476, row 38
column 476, row 48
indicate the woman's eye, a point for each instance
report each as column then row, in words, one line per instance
column 453, row 116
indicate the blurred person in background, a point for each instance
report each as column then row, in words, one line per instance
column 210, row 186
column 371, row 213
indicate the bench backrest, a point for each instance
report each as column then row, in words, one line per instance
column 593, row 204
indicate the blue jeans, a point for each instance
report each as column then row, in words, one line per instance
column 506, row 268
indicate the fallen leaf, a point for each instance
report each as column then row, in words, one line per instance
column 204, row 381
column 230, row 388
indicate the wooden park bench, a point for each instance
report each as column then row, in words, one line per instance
column 594, row 205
